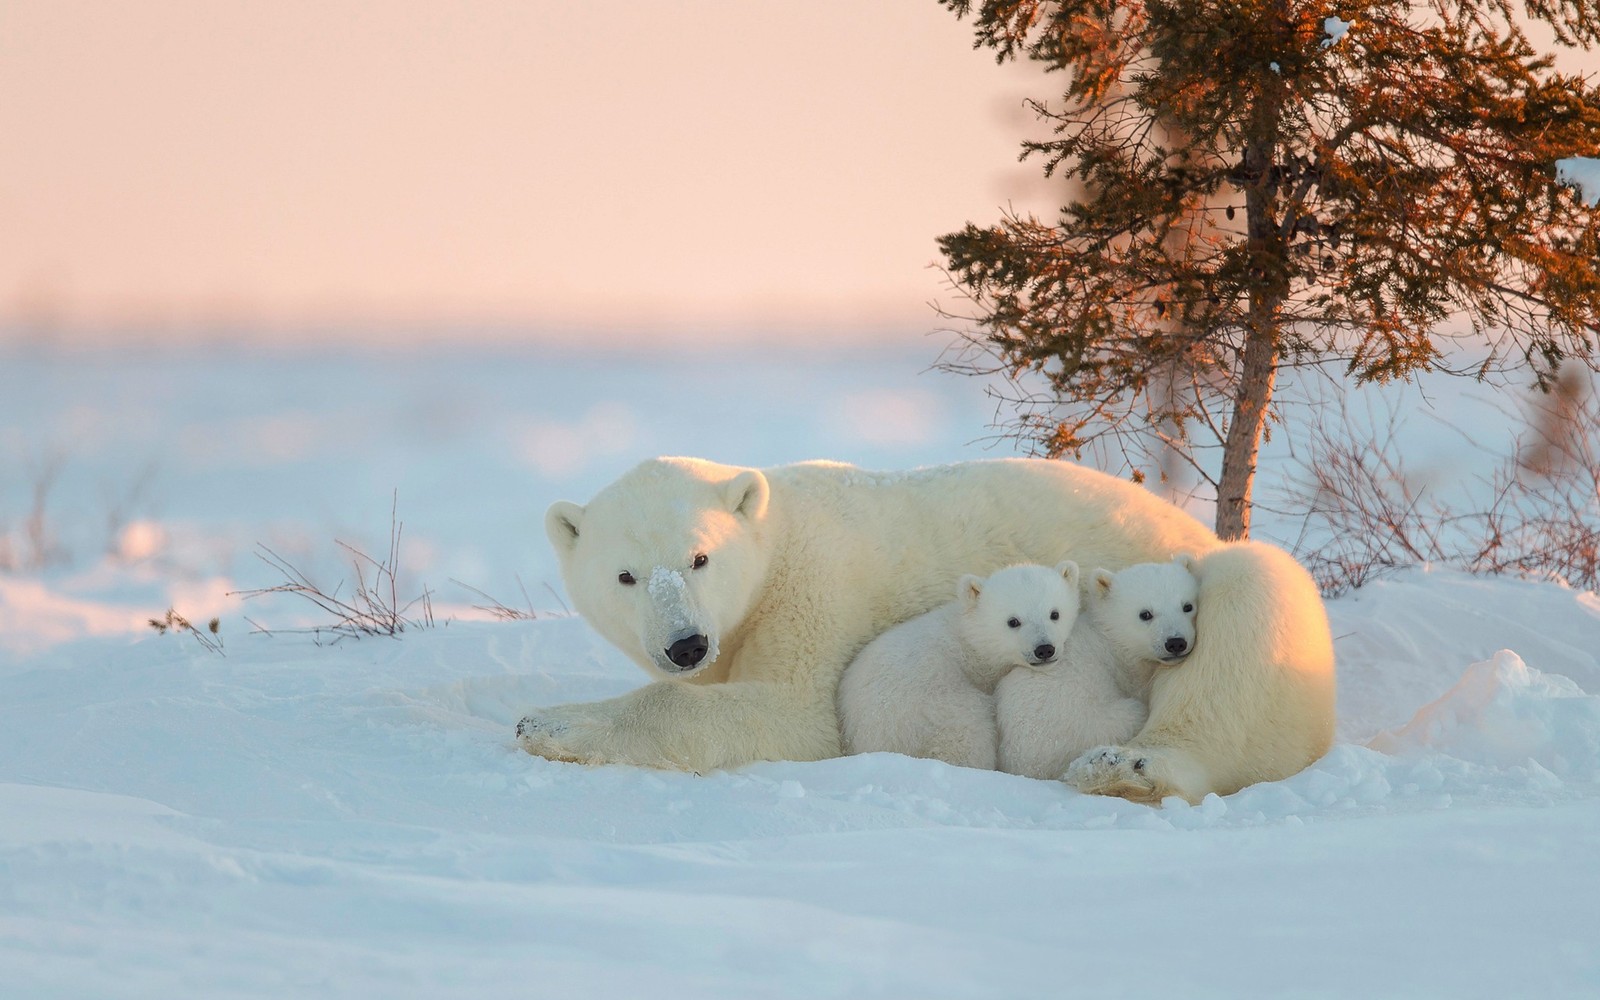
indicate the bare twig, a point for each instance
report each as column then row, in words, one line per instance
column 1537, row 514
column 209, row 638
column 501, row 610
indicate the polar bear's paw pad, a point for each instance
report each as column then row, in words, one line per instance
column 533, row 726
column 1115, row 771
column 542, row 736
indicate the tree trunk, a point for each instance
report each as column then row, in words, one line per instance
column 1258, row 371
column 1258, row 364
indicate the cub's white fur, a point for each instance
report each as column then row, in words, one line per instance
column 925, row 688
column 1093, row 693
column 1147, row 615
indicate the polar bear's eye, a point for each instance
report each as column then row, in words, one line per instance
column 1013, row 623
column 626, row 579
column 1145, row 616
column 699, row 560
column 1055, row 616
column 1188, row 608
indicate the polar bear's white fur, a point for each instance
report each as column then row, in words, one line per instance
column 805, row 564
column 1093, row 693
column 925, row 688
column 1215, row 725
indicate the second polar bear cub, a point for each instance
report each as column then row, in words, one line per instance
column 925, row 688
column 1097, row 690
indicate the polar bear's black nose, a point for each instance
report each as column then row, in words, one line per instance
column 1044, row 651
column 1177, row 646
column 688, row 651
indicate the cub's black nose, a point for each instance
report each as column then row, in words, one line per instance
column 1177, row 646
column 689, row 650
column 1044, row 651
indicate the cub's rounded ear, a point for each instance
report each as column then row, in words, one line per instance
column 969, row 589
column 1102, row 582
column 561, row 524
column 1069, row 572
column 1188, row 562
column 747, row 494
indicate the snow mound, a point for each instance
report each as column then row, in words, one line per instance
column 1503, row 713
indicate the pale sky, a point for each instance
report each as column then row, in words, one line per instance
column 695, row 165
column 638, row 163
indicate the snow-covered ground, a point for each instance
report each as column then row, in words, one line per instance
column 352, row 819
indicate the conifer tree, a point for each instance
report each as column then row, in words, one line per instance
column 1266, row 184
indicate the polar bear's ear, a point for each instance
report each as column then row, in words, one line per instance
column 747, row 494
column 561, row 524
column 1188, row 562
column 969, row 589
column 1102, row 583
column 1069, row 572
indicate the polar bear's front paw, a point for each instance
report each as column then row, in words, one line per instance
column 1119, row 771
column 561, row 734
column 536, row 726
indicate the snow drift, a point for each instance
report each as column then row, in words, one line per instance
column 354, row 819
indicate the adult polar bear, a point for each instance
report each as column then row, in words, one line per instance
column 748, row 591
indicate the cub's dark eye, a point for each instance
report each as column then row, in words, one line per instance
column 1145, row 616
column 1188, row 608
column 626, row 579
column 1055, row 616
column 699, row 561
column 1012, row 622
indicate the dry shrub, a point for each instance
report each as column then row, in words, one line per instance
column 504, row 612
column 373, row 607
column 209, row 638
column 1537, row 514
column 34, row 545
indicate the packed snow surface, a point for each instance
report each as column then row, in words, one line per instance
column 302, row 817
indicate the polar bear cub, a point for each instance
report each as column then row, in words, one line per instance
column 1097, row 690
column 925, row 688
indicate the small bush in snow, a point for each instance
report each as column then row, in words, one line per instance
column 373, row 607
column 1538, row 514
column 210, row 638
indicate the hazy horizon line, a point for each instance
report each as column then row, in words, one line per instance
column 797, row 337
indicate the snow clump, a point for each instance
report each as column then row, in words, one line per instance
column 1503, row 713
column 1583, row 173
